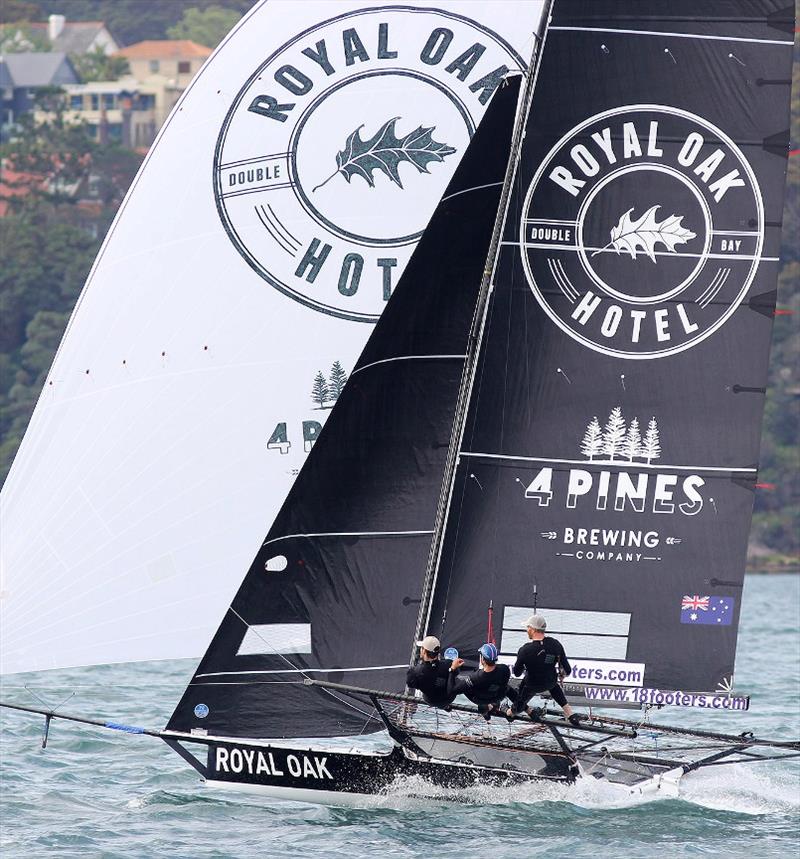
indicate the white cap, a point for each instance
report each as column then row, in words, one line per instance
column 430, row 643
column 536, row 621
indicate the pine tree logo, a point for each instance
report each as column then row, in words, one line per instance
column 592, row 443
column 632, row 445
column 337, row 380
column 320, row 393
column 614, row 433
column 325, row 392
column 651, row 447
column 619, row 441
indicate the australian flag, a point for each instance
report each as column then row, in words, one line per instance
column 707, row 611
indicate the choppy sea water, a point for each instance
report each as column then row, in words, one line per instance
column 96, row 793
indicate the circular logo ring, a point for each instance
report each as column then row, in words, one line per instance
column 698, row 297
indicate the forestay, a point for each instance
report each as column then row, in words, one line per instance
column 611, row 448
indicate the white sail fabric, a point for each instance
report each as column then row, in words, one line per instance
column 256, row 246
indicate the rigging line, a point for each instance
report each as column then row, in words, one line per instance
column 503, row 409
column 670, row 35
column 369, row 719
column 348, row 704
column 292, row 670
column 477, row 328
column 404, row 358
column 462, row 497
column 250, row 683
column 467, row 190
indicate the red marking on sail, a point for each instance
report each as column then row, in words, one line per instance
column 768, row 486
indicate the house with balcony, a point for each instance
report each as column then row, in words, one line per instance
column 122, row 111
column 166, row 64
column 22, row 75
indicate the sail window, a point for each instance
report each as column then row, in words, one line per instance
column 586, row 634
column 267, row 639
column 276, row 564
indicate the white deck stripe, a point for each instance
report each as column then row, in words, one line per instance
column 585, row 462
column 404, row 358
column 473, row 188
column 349, row 534
column 302, row 670
column 671, row 35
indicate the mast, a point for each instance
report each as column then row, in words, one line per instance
column 476, row 335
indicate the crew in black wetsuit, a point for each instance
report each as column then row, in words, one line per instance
column 539, row 659
column 433, row 676
column 487, row 686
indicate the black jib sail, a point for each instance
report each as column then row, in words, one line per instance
column 333, row 593
column 610, row 451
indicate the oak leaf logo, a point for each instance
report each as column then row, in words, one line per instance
column 645, row 233
column 385, row 152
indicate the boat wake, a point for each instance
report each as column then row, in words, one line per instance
column 737, row 789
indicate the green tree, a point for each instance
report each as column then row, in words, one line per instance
column 19, row 10
column 19, row 37
column 204, row 26
column 48, row 156
column 98, row 66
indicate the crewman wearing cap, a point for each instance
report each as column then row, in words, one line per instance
column 433, row 676
column 487, row 686
column 540, row 659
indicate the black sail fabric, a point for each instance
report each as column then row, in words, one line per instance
column 333, row 593
column 611, row 446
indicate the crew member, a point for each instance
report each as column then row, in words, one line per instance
column 539, row 659
column 433, row 676
column 487, row 686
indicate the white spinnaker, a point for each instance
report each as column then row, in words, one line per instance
column 144, row 483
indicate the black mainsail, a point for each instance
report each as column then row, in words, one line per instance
column 333, row 593
column 611, row 448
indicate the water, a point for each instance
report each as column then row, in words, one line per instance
column 101, row 794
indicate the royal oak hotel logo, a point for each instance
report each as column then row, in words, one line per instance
column 335, row 151
column 642, row 231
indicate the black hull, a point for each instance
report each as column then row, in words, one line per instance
column 321, row 774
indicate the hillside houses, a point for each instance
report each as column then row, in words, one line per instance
column 22, row 74
column 166, row 67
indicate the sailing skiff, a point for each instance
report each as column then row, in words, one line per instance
column 562, row 400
